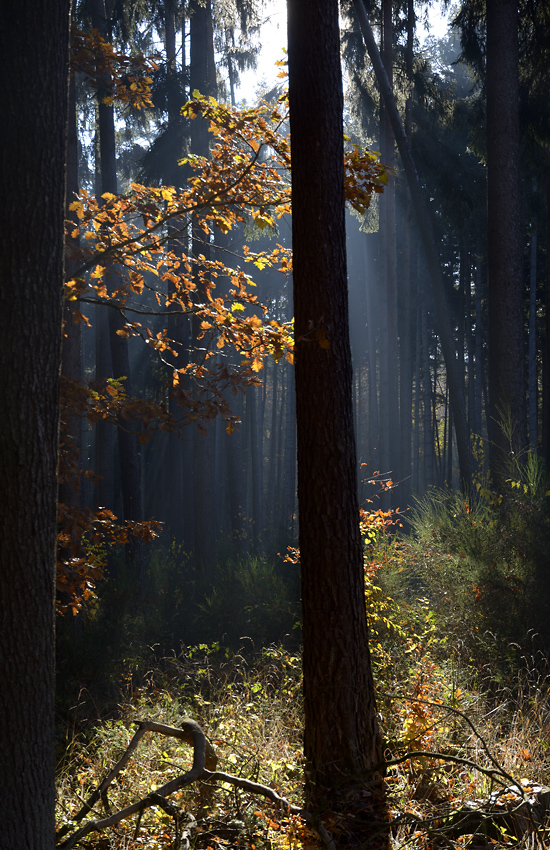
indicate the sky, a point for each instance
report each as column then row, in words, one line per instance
column 274, row 41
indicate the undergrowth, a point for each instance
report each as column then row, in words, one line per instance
column 463, row 687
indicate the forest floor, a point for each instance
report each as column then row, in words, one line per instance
column 458, row 615
column 478, row 778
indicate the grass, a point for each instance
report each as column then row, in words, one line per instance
column 462, row 678
column 250, row 709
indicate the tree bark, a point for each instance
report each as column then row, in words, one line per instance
column 341, row 731
column 34, row 41
column 72, row 335
column 507, row 388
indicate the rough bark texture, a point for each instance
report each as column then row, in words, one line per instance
column 341, row 733
column 72, row 334
column 506, row 341
column 33, row 100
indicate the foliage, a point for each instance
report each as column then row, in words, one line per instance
column 480, row 563
column 133, row 254
column 249, row 707
column 434, row 695
column 123, row 78
column 247, row 598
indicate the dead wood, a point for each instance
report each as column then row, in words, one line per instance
column 203, row 770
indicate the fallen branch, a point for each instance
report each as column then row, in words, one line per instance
column 203, row 770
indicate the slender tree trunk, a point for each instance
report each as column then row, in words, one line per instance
column 479, row 351
column 234, row 446
column 405, row 357
column 390, row 263
column 533, row 377
column 427, row 406
column 426, row 230
column 129, row 459
column 255, row 467
column 203, row 79
column 418, row 480
column 546, row 346
column 34, row 40
column 289, row 476
column 507, row 387
column 341, row 736
column 374, row 412
column 103, row 431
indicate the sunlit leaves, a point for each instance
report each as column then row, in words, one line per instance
column 134, row 255
column 127, row 78
column 364, row 175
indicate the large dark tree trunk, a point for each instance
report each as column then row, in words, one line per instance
column 33, row 101
column 72, row 337
column 507, row 389
column 341, row 731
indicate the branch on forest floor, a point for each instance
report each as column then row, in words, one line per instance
column 203, row 770
column 518, row 804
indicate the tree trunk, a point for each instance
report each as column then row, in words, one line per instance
column 426, row 230
column 129, row 458
column 478, row 350
column 507, row 390
column 387, row 203
column 203, row 79
column 34, row 41
column 71, row 428
column 406, row 363
column 533, row 377
column 341, row 736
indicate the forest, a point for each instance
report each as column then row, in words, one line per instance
column 275, row 430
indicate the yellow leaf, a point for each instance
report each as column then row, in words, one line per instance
column 78, row 208
column 321, row 336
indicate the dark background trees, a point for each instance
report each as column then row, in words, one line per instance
column 228, row 500
column 421, row 398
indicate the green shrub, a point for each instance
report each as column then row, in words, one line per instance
column 247, row 597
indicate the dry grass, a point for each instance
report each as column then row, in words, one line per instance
column 251, row 710
column 250, row 713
